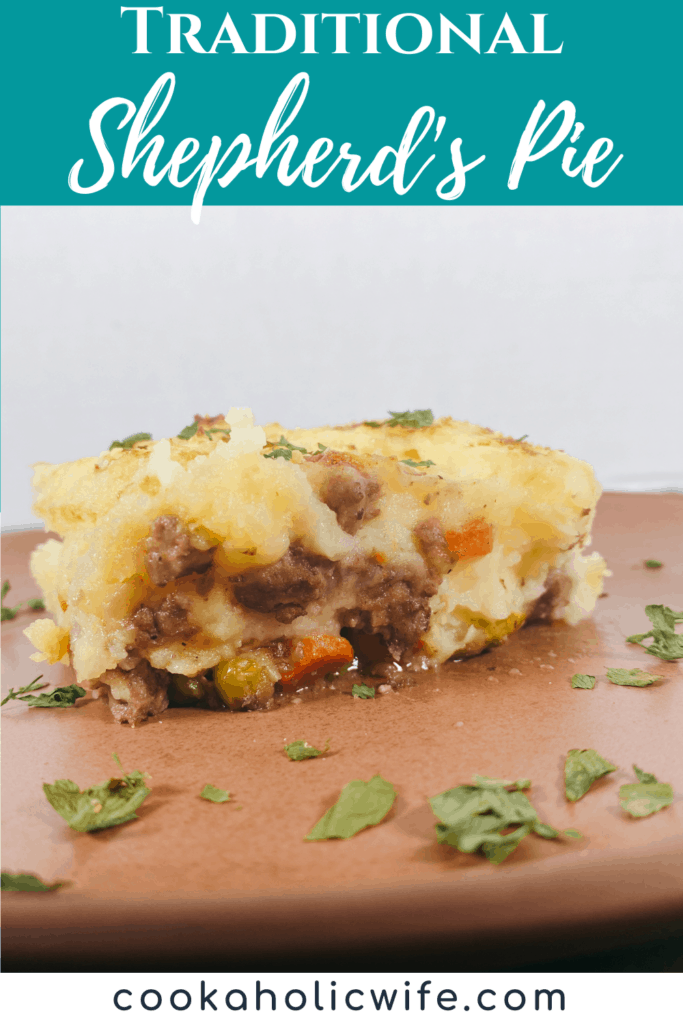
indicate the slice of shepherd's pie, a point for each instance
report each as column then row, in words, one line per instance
column 233, row 562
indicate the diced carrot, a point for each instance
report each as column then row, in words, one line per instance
column 312, row 653
column 475, row 539
column 380, row 558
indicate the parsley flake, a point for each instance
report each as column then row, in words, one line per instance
column 360, row 805
column 363, row 691
column 62, row 697
column 643, row 776
column 285, row 448
column 25, row 883
column 414, row 420
column 475, row 817
column 215, row 795
column 518, row 440
column 653, row 563
column 189, row 431
column 129, row 441
column 484, row 782
column 14, row 694
column 581, row 769
column 573, row 833
column 210, row 431
column 279, row 453
column 667, row 643
column 372, row 423
column 646, row 796
column 109, row 803
column 417, row 465
column 300, row 750
column 545, row 831
column 7, row 613
column 35, row 604
column 631, row 677
column 582, row 682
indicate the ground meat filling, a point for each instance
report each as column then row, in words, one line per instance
column 393, row 603
column 168, row 620
column 553, row 599
column 433, row 547
column 350, row 492
column 286, row 588
column 351, row 496
column 145, row 688
column 170, row 553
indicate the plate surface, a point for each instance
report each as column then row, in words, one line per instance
column 236, row 879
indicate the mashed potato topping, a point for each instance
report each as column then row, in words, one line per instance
column 204, row 568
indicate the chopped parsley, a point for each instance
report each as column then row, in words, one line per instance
column 484, row 782
column 582, row 682
column 644, row 797
column 210, row 431
column 189, row 431
column 129, row 441
column 477, row 817
column 360, row 805
column 653, row 563
column 363, row 691
column 215, row 795
column 522, row 438
column 14, row 694
column 279, row 453
column 62, row 697
column 372, row 423
column 300, row 750
column 25, row 883
column 198, row 427
column 581, row 769
column 109, row 803
column 631, row 677
column 414, row 420
column 417, row 465
column 7, row 614
column 667, row 643
column 284, row 450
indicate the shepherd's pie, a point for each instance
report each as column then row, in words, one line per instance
column 235, row 562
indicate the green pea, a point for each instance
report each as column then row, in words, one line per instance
column 242, row 677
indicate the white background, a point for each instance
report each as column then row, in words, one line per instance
column 589, row 998
column 560, row 323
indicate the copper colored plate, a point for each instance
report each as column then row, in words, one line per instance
column 191, row 877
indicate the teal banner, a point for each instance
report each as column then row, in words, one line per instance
column 209, row 103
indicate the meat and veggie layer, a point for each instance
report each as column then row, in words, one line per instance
column 231, row 563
